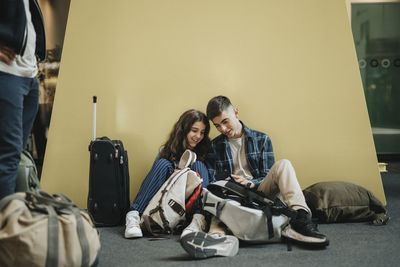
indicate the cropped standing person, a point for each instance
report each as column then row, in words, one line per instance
column 22, row 44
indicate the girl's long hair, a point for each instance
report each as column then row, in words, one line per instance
column 177, row 142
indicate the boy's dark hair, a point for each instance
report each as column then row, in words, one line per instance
column 216, row 105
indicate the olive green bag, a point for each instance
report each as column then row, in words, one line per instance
column 344, row 202
column 38, row 229
column 27, row 176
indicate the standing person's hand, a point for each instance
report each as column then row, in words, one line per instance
column 7, row 54
column 241, row 180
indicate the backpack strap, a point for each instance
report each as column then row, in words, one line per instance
column 147, row 225
column 159, row 209
column 220, row 206
column 267, row 212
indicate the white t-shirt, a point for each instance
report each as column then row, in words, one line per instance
column 25, row 65
column 239, row 157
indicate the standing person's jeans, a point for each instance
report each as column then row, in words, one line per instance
column 18, row 107
column 159, row 173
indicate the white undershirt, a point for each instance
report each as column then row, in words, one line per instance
column 25, row 65
column 239, row 157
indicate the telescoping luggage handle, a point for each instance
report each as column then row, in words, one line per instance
column 94, row 117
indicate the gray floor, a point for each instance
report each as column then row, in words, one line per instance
column 351, row 244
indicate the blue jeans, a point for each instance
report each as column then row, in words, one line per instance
column 159, row 173
column 18, row 107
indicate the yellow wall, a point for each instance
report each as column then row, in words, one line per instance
column 289, row 66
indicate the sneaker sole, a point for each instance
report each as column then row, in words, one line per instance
column 128, row 236
column 296, row 237
column 200, row 245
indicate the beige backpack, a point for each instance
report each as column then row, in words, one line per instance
column 38, row 229
column 166, row 211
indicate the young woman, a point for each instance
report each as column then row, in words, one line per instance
column 189, row 132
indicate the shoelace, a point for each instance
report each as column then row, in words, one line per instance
column 132, row 220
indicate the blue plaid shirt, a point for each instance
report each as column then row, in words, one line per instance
column 258, row 150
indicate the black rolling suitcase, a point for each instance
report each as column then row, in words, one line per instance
column 108, row 198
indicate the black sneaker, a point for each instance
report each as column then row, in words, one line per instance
column 302, row 230
column 200, row 245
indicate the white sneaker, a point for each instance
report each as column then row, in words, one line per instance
column 132, row 225
column 200, row 245
column 198, row 224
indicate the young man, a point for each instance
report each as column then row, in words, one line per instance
column 22, row 39
column 247, row 156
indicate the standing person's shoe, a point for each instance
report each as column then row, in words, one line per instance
column 304, row 231
column 198, row 224
column 132, row 225
column 200, row 245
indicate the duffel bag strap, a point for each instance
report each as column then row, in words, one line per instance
column 82, row 237
column 63, row 197
column 41, row 197
column 52, row 237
